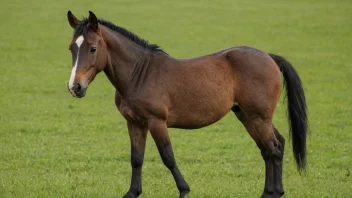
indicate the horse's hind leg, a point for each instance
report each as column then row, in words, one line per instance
column 277, row 162
column 271, row 145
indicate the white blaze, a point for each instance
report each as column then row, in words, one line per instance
column 79, row 42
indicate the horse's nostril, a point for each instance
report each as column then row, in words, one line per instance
column 79, row 87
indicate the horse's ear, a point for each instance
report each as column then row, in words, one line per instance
column 72, row 20
column 93, row 21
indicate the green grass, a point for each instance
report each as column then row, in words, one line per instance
column 52, row 145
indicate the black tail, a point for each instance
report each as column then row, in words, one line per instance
column 297, row 110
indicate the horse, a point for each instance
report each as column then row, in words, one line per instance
column 155, row 91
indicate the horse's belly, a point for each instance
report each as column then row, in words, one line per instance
column 192, row 124
column 198, row 116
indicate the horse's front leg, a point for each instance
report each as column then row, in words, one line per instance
column 138, row 137
column 158, row 130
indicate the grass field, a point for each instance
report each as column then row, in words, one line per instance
column 53, row 145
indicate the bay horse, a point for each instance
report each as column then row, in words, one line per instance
column 155, row 91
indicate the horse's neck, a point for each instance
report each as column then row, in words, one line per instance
column 124, row 56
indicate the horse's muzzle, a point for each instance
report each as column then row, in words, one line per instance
column 78, row 90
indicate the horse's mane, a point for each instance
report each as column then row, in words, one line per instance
column 130, row 35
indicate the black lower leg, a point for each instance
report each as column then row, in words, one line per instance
column 269, row 176
column 138, row 139
column 168, row 158
column 136, row 181
column 277, row 163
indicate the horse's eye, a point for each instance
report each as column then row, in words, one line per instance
column 93, row 49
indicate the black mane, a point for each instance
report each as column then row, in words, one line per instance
column 130, row 35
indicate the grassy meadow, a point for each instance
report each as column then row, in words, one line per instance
column 53, row 145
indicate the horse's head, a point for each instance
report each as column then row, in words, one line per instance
column 89, row 53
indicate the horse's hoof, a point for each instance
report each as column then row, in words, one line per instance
column 129, row 195
column 271, row 195
column 184, row 193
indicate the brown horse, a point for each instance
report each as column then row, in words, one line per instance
column 155, row 91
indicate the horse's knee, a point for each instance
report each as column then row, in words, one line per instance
column 136, row 161
column 170, row 164
column 136, row 158
column 168, row 160
column 167, row 154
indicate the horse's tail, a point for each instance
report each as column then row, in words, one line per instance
column 297, row 110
